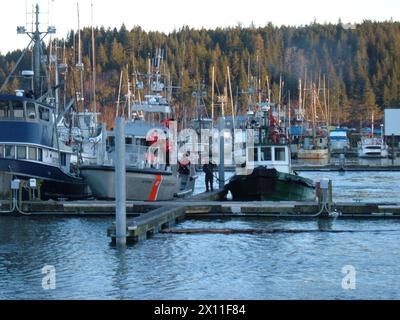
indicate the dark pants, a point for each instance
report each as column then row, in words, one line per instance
column 209, row 183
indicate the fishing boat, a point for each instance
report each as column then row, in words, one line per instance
column 316, row 146
column 78, row 130
column 147, row 178
column 266, row 174
column 29, row 146
column 312, row 154
column 372, row 147
column 338, row 140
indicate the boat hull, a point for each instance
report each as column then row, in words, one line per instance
column 377, row 154
column 339, row 145
column 265, row 184
column 313, row 154
column 141, row 185
column 55, row 183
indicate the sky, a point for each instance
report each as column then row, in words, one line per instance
column 167, row 15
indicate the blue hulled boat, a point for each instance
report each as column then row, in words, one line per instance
column 29, row 147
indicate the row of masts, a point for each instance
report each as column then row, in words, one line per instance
column 58, row 66
column 309, row 93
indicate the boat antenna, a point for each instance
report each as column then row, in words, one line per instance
column 36, row 37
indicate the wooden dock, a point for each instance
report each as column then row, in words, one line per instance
column 147, row 218
column 162, row 219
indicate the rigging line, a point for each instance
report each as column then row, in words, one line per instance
column 15, row 67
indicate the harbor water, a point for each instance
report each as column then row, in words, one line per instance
column 303, row 265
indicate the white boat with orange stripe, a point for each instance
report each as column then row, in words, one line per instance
column 146, row 178
column 141, row 184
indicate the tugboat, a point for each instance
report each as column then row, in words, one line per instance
column 268, row 175
column 29, row 146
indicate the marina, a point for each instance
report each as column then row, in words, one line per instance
column 230, row 163
column 304, row 256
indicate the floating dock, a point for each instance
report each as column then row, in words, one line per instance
column 208, row 208
column 162, row 219
column 147, row 218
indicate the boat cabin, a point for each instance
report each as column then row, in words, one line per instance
column 273, row 156
column 27, row 132
column 14, row 108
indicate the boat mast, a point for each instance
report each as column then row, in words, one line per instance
column 119, row 94
column 314, row 111
column 212, row 96
column 80, row 64
column 300, row 100
column 129, row 93
column 280, row 97
column 36, row 50
column 57, row 79
column 36, row 38
column 231, row 97
column 372, row 124
column 94, row 108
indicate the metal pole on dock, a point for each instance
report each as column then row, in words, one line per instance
column 120, row 182
column 393, row 152
column 221, row 127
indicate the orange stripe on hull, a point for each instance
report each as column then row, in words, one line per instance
column 155, row 188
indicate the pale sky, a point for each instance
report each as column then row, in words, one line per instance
column 166, row 15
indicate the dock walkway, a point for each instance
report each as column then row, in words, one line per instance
column 147, row 218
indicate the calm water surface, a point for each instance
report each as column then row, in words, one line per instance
column 305, row 265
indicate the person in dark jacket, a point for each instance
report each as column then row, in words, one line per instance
column 209, row 171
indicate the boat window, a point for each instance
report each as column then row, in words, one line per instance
column 18, row 110
column 40, row 155
column 4, row 109
column 21, row 152
column 266, row 154
column 30, row 111
column 32, row 153
column 44, row 114
column 9, row 152
column 280, row 154
column 128, row 140
column 111, row 141
column 1, row 151
column 63, row 159
column 253, row 154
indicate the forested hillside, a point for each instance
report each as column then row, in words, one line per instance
column 361, row 65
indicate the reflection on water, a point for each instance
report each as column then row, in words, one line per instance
column 305, row 265
column 269, row 266
column 361, row 186
column 348, row 161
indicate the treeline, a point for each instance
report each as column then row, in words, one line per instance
column 361, row 64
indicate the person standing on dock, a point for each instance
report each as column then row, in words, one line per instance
column 209, row 171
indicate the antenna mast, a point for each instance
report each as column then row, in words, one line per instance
column 80, row 64
column 93, row 64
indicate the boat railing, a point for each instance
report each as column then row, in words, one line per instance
column 137, row 156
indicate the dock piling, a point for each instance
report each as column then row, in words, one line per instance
column 393, row 152
column 120, row 182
